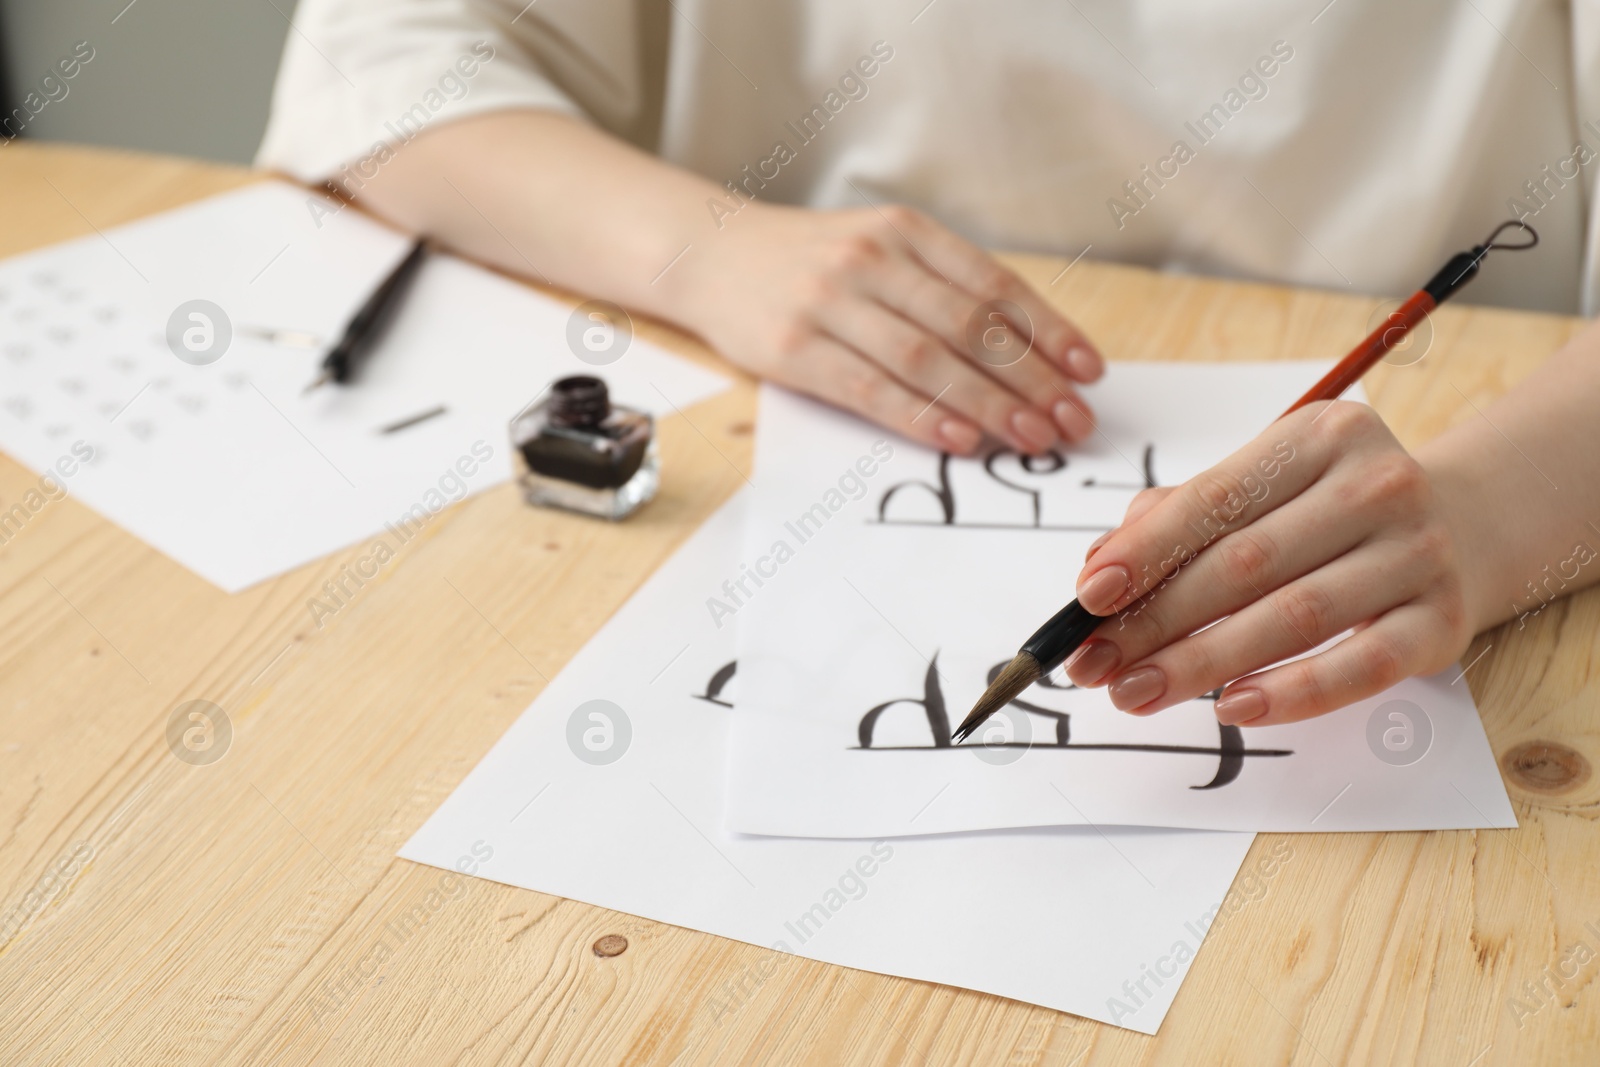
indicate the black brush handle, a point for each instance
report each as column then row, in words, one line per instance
column 1060, row 637
column 362, row 330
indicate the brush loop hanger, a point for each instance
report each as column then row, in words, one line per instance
column 1490, row 242
column 1463, row 266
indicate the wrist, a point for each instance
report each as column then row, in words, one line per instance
column 1463, row 495
column 697, row 290
column 655, row 248
column 658, row 269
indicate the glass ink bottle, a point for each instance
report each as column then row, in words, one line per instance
column 583, row 453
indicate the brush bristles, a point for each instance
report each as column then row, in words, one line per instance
column 1020, row 673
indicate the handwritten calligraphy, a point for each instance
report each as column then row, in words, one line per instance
column 1230, row 752
column 1027, row 476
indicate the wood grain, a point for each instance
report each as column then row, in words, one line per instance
column 154, row 912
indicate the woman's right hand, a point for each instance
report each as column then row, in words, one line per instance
column 886, row 313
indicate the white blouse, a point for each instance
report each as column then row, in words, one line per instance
column 1351, row 144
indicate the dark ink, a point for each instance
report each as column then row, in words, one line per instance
column 1029, row 464
column 719, row 680
column 932, row 704
column 1230, row 751
column 941, row 493
column 583, row 453
column 1230, row 758
column 1149, row 475
column 1050, row 466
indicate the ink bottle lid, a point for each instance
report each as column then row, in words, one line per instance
column 581, row 452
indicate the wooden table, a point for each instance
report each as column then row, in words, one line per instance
column 156, row 912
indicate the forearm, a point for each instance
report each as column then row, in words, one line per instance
column 1523, row 481
column 870, row 308
column 550, row 198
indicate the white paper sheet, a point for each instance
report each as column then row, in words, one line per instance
column 226, row 467
column 1101, row 924
column 858, row 597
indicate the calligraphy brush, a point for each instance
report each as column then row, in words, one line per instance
column 361, row 333
column 1070, row 627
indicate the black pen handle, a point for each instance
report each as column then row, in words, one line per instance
column 1064, row 632
column 339, row 364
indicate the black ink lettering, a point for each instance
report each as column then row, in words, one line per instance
column 946, row 499
column 713, row 693
column 1029, row 464
column 932, row 703
column 1149, row 475
column 1230, row 757
column 1230, row 751
column 1050, row 463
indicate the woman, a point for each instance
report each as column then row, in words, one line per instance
column 808, row 187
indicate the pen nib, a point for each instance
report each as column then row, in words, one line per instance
column 1020, row 673
column 317, row 383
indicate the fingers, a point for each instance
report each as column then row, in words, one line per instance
column 995, row 348
column 1238, row 570
column 1143, row 501
column 1025, row 372
column 1264, row 475
column 924, row 364
column 1332, row 530
column 967, row 326
column 1290, row 620
column 1394, row 647
column 974, row 270
column 828, row 370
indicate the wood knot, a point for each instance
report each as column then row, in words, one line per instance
column 611, row 945
column 1545, row 767
column 742, row 429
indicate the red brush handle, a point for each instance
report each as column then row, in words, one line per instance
column 1379, row 343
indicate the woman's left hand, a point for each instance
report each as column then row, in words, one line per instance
column 1321, row 525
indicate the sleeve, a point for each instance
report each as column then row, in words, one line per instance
column 361, row 75
column 1585, row 32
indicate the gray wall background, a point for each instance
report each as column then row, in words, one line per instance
column 188, row 77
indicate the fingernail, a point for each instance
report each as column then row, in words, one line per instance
column 1084, row 363
column 961, row 436
column 1103, row 588
column 1073, row 419
column 1241, row 705
column 1033, row 428
column 1092, row 662
column 1138, row 688
column 1098, row 541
